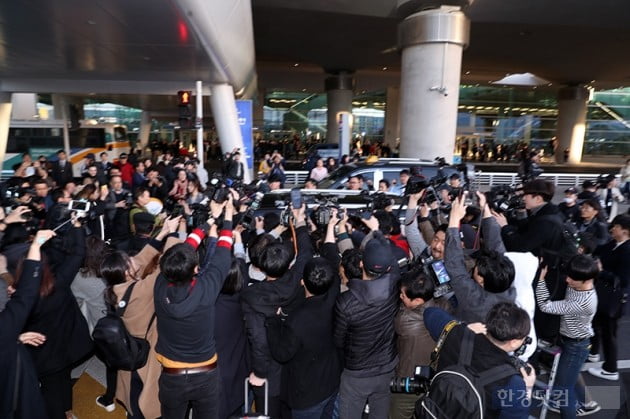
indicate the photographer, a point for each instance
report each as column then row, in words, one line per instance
column 234, row 168
column 507, row 327
column 364, row 329
column 117, row 203
column 492, row 275
column 185, row 298
column 413, row 341
column 542, row 233
column 156, row 184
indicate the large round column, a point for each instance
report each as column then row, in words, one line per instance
column 339, row 93
column 571, row 125
column 432, row 42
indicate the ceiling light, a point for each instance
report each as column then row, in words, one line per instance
column 91, row 22
column 296, row 65
column 384, row 68
column 304, row 90
column 468, row 72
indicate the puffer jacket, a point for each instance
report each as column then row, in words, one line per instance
column 364, row 325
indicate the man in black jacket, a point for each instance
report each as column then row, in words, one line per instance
column 615, row 273
column 279, row 293
column 304, row 342
column 62, row 169
column 364, row 329
column 184, row 306
column 542, row 234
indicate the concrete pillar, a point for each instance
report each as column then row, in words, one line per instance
column 226, row 120
column 73, row 109
column 571, row 125
column 339, row 94
column 432, row 42
column 145, row 130
column 24, row 107
column 5, row 122
column 392, row 116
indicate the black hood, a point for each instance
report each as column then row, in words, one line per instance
column 373, row 292
column 266, row 296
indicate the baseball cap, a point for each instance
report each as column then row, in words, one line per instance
column 122, row 156
column 377, row 256
column 588, row 184
column 90, row 156
column 571, row 190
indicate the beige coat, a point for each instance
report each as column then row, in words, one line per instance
column 139, row 311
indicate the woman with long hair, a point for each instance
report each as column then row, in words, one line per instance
column 57, row 316
column 20, row 394
column 138, row 390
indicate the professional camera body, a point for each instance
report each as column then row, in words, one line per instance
column 506, row 199
column 248, row 220
column 418, row 384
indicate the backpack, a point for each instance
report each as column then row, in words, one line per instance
column 116, row 346
column 457, row 391
column 559, row 258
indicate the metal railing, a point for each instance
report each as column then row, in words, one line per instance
column 295, row 177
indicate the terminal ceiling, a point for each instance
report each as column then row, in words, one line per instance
column 147, row 45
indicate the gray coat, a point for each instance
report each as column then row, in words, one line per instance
column 473, row 302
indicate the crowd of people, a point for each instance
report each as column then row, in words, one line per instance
column 319, row 317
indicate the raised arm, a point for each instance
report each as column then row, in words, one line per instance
column 14, row 316
column 412, row 232
column 489, row 227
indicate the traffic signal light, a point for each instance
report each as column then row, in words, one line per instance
column 185, row 113
column 184, row 97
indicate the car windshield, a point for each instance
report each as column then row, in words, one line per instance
column 339, row 174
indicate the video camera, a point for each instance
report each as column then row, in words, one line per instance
column 506, row 199
column 418, row 384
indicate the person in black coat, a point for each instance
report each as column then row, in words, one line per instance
column 281, row 290
column 234, row 167
column 593, row 221
column 304, row 342
column 229, row 333
column 18, row 371
column 364, row 329
column 62, row 169
column 58, row 317
column 615, row 273
column 542, row 234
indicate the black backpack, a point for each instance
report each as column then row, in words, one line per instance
column 119, row 349
column 559, row 258
column 457, row 391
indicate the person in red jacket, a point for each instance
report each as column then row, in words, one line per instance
column 126, row 170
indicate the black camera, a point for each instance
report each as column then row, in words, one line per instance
column 248, row 221
column 129, row 199
column 505, row 199
column 418, row 384
column 416, row 184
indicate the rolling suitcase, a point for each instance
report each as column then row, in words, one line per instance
column 256, row 415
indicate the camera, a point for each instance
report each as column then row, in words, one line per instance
column 248, row 221
column 418, row 384
column 505, row 199
column 129, row 199
column 416, row 184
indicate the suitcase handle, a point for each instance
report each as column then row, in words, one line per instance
column 266, row 386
